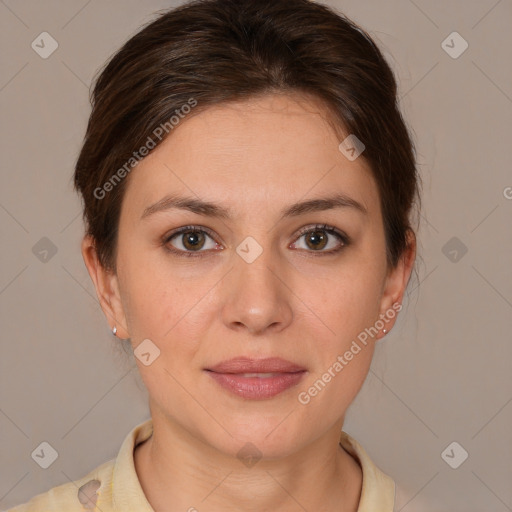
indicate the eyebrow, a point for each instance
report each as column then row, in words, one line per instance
column 210, row 209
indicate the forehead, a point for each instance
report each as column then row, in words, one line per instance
column 271, row 150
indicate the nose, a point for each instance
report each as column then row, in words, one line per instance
column 257, row 296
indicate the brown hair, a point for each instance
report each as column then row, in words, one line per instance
column 214, row 51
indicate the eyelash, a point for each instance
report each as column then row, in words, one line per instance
column 342, row 237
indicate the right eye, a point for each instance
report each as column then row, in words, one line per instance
column 189, row 240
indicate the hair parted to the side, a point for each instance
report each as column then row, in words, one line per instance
column 216, row 51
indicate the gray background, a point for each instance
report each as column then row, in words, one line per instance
column 442, row 375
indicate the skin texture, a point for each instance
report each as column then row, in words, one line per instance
column 255, row 158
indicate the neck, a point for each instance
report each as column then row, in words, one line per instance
column 178, row 472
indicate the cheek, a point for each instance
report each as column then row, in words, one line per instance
column 344, row 341
column 152, row 294
column 347, row 305
column 163, row 306
column 342, row 353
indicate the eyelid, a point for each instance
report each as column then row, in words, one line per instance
column 325, row 227
column 185, row 229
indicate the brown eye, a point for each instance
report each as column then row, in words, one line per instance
column 188, row 240
column 193, row 240
column 317, row 238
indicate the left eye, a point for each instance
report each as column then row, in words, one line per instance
column 320, row 237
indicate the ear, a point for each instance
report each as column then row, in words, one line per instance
column 396, row 282
column 107, row 288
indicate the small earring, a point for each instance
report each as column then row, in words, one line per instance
column 384, row 331
column 114, row 330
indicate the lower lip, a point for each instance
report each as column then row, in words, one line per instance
column 257, row 388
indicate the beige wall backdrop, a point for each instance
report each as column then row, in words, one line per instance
column 436, row 409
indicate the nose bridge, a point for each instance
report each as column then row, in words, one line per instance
column 255, row 263
column 256, row 296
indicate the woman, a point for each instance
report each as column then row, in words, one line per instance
column 247, row 181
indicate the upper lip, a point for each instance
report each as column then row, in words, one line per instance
column 248, row 365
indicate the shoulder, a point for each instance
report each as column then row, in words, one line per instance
column 79, row 495
column 114, row 481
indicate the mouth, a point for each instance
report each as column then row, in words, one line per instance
column 256, row 379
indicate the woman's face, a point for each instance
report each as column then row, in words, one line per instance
column 247, row 283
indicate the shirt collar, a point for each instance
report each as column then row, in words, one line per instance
column 378, row 489
column 127, row 493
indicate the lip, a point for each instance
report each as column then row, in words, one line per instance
column 249, row 365
column 236, row 376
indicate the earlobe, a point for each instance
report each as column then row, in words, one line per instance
column 396, row 284
column 107, row 289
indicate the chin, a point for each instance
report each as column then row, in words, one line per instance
column 269, row 437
